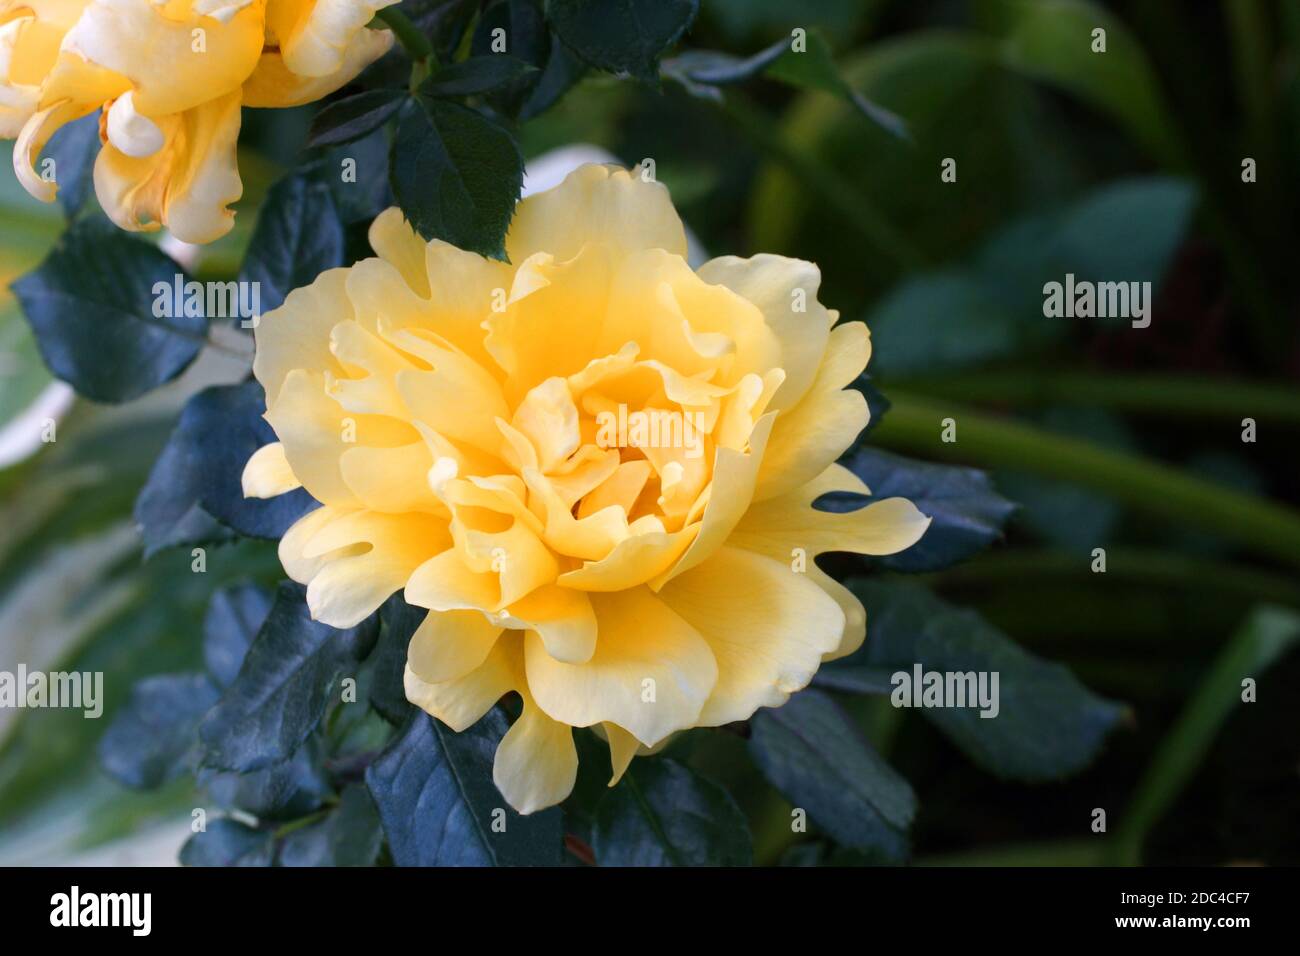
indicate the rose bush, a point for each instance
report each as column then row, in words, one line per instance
column 170, row 79
column 447, row 412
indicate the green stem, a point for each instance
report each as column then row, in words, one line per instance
column 914, row 424
column 839, row 195
column 1140, row 565
column 1264, row 637
column 1142, row 394
column 412, row 39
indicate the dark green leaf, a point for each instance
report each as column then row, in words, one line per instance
column 622, row 36
column 437, row 801
column 1048, row 725
column 345, row 120
column 283, row 791
column 479, row 74
column 287, row 680
column 350, row 836
column 967, row 513
column 228, row 843
column 397, row 622
column 813, row 753
column 234, row 617
column 199, row 472
column 151, row 738
column 73, row 149
column 456, row 175
column 663, row 814
column 299, row 234
column 99, row 306
column 561, row 72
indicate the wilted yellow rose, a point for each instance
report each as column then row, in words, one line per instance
column 170, row 76
column 594, row 465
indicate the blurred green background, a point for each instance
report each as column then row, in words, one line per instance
column 1123, row 165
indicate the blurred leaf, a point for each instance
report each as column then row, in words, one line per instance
column 151, row 738
column 814, row 69
column 228, row 843
column 1051, row 41
column 1048, row 725
column 291, row 671
column 664, row 814
column 93, row 306
column 992, row 307
column 199, row 473
column 944, row 319
column 353, row 117
column 967, row 513
column 456, row 175
column 74, row 148
column 350, row 836
column 1267, row 633
column 438, row 804
column 951, row 90
column 478, row 74
column 622, row 36
column 811, row 751
column 234, row 617
column 299, row 234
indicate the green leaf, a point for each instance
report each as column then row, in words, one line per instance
column 199, row 473
column 1047, row 726
column 283, row 791
column 398, row 621
column 234, row 617
column 811, row 751
column 288, row 678
column 456, row 175
column 437, row 801
column 478, row 74
column 622, row 36
column 349, row 119
column 967, row 514
column 92, row 304
column 814, row 68
column 350, row 836
column 299, row 234
column 559, row 74
column 228, row 842
column 664, row 814
column 151, row 738
column 74, row 149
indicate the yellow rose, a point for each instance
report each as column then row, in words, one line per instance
column 481, row 435
column 170, row 76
